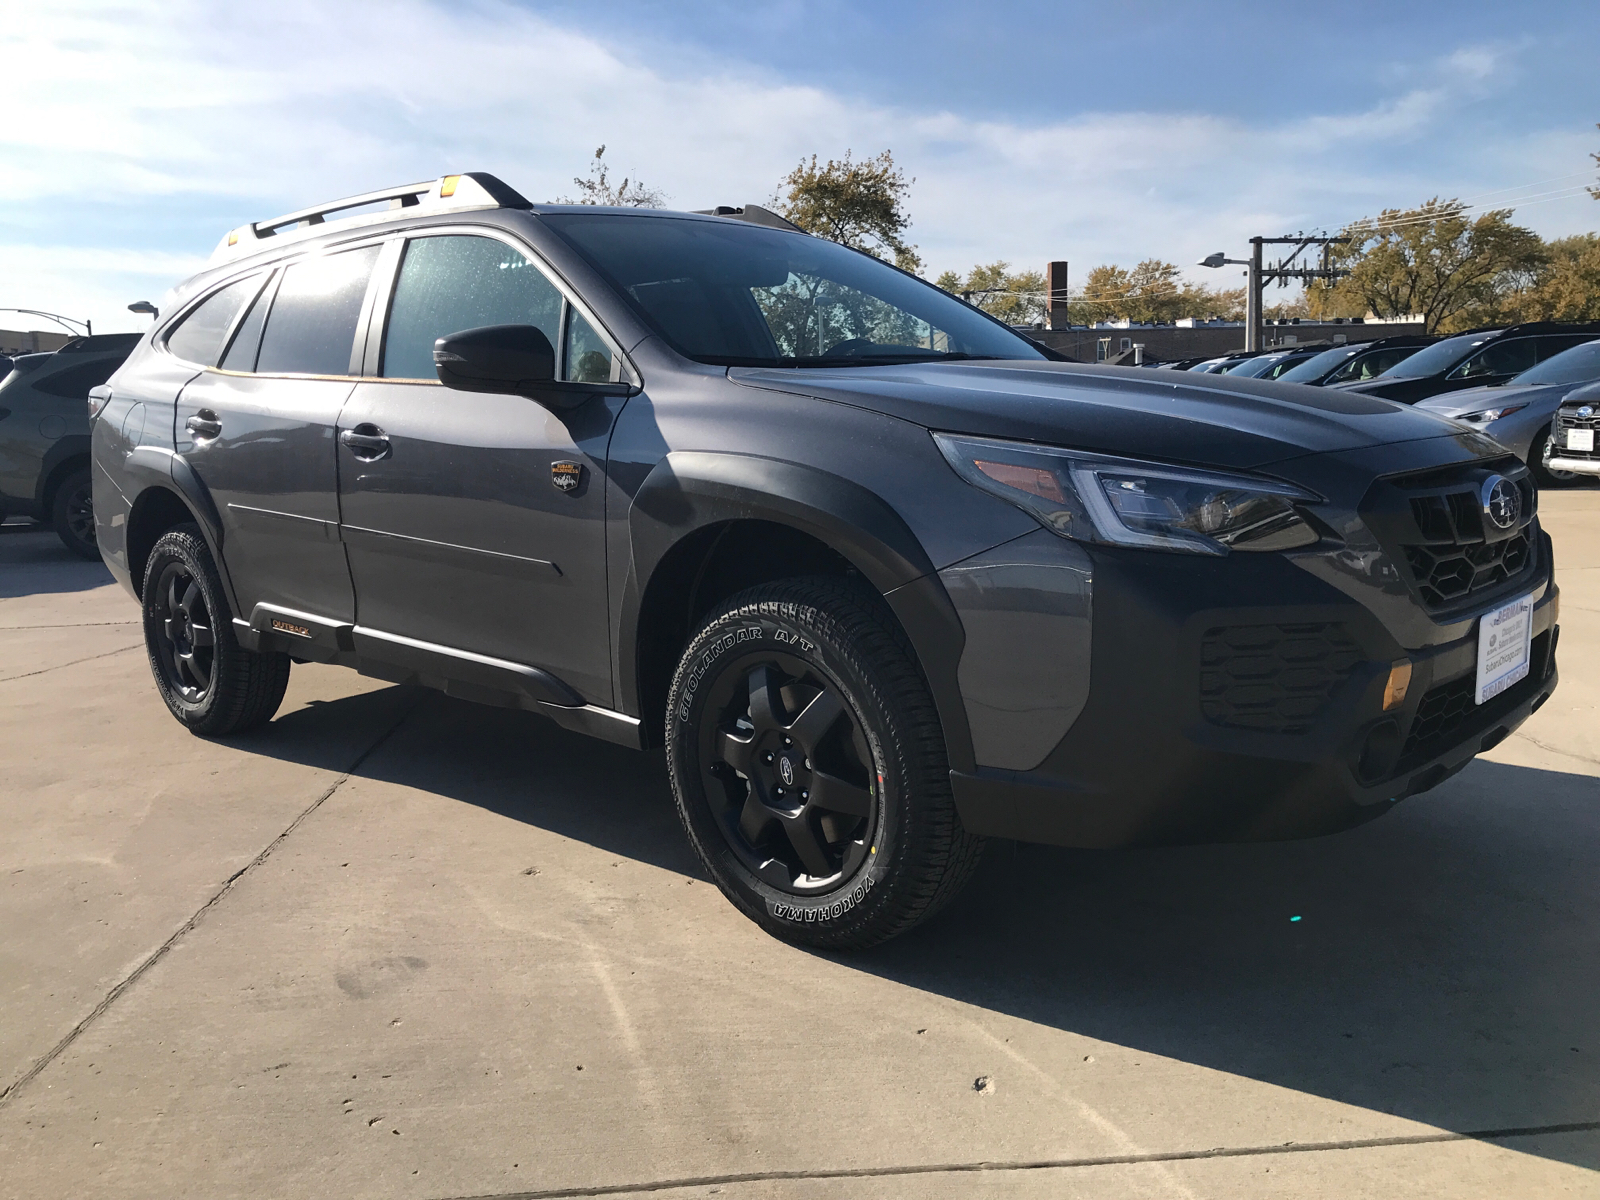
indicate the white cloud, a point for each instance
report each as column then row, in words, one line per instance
column 216, row 109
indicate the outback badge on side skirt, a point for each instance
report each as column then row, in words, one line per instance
column 566, row 475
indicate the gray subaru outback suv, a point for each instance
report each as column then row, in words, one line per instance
column 881, row 577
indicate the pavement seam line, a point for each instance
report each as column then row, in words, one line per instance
column 66, row 625
column 8, row 1093
column 73, row 663
column 1048, row 1164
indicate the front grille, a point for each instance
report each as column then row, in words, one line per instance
column 1447, row 707
column 1432, row 523
column 1447, row 573
column 1566, row 421
column 1273, row 678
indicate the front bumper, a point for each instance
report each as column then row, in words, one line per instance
column 1159, row 753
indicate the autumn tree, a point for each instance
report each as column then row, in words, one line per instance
column 1565, row 286
column 1149, row 292
column 860, row 204
column 1015, row 297
column 1433, row 261
column 598, row 189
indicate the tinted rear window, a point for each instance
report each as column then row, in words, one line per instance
column 198, row 337
column 75, row 381
column 311, row 329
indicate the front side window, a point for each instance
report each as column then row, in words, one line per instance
column 1498, row 358
column 198, row 337
column 311, row 329
column 588, row 358
column 736, row 294
column 456, row 282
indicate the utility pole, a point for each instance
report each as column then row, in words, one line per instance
column 1055, row 284
column 1261, row 273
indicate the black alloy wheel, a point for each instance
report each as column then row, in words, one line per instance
column 785, row 764
column 187, row 641
column 72, row 514
column 209, row 682
column 809, row 768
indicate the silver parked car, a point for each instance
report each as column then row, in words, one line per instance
column 1517, row 413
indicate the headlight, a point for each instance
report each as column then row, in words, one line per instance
column 1094, row 498
column 1485, row 415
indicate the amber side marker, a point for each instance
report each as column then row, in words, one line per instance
column 1394, row 692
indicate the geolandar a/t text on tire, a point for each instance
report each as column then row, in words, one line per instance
column 882, row 577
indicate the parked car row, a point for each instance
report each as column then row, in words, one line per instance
column 1507, row 383
column 44, row 434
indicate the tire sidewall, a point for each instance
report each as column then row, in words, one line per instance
column 791, row 630
column 185, row 546
column 60, row 508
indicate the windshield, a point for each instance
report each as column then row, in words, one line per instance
column 1252, row 368
column 1436, row 358
column 1577, row 365
column 735, row 294
column 1315, row 368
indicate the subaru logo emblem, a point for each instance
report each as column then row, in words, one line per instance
column 1586, row 411
column 786, row 769
column 1502, row 502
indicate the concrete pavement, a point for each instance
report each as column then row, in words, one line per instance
column 400, row 945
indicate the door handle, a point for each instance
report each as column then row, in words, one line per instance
column 204, row 424
column 366, row 441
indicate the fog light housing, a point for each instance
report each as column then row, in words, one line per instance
column 1399, row 682
column 1380, row 751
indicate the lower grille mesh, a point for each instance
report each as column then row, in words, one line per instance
column 1273, row 678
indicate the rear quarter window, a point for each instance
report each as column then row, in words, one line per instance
column 198, row 337
column 311, row 329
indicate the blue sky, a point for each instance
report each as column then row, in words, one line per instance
column 133, row 135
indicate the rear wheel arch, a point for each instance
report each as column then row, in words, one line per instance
column 155, row 511
column 66, row 456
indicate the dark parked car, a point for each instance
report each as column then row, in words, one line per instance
column 1476, row 359
column 1357, row 361
column 880, row 576
column 1518, row 413
column 44, row 434
column 1271, row 365
column 1572, row 433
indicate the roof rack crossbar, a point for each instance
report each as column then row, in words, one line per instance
column 399, row 197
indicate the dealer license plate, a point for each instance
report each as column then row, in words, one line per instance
column 1505, row 637
column 1580, row 439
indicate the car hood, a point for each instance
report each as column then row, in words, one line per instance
column 1454, row 404
column 1209, row 420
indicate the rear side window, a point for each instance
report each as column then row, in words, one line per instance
column 1497, row 358
column 198, row 337
column 455, row 282
column 75, row 381
column 311, row 329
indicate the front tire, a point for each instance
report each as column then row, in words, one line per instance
column 209, row 682
column 1539, row 465
column 809, row 766
column 72, row 514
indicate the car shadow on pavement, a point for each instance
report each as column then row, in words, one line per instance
column 1444, row 967
column 33, row 561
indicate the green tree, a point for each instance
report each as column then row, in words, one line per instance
column 861, row 204
column 1015, row 297
column 1151, row 291
column 1566, row 285
column 598, row 189
column 1432, row 261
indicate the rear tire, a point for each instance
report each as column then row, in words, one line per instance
column 72, row 514
column 809, row 766
column 208, row 681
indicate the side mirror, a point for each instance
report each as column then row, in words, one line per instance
column 495, row 358
column 515, row 360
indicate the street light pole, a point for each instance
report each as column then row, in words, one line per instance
column 1252, row 300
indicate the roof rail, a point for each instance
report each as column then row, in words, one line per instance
column 471, row 189
column 753, row 213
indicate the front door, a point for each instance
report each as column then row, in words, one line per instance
column 476, row 522
column 259, row 432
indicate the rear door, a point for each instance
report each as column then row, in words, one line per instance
column 476, row 522
column 258, row 429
